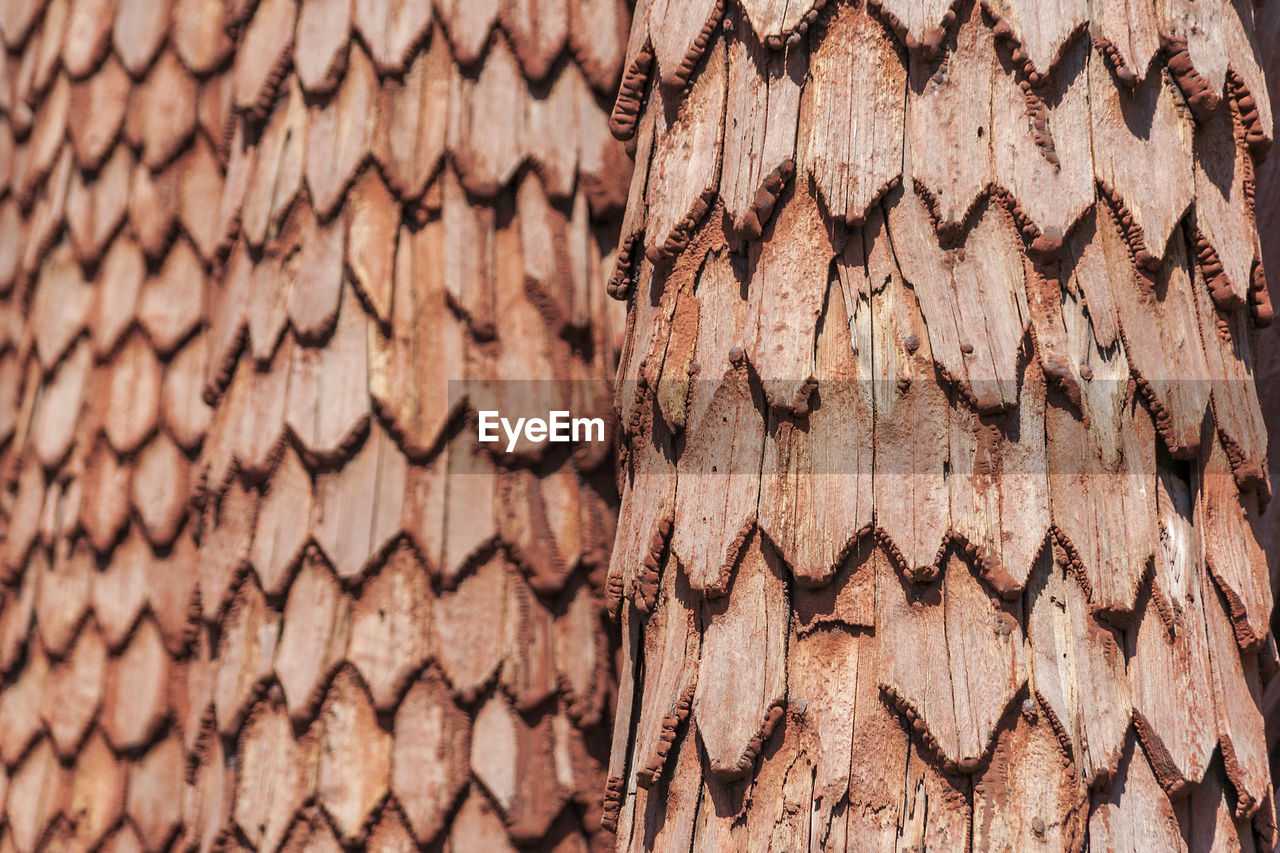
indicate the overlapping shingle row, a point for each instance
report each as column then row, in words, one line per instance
column 244, row 246
column 943, row 458
column 1268, row 210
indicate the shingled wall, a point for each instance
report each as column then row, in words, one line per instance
column 1268, row 213
column 944, row 460
column 243, row 247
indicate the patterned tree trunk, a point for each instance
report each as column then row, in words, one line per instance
column 943, row 458
column 257, row 588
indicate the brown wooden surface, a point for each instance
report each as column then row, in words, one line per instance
column 1267, row 206
column 1004, row 285
column 245, row 603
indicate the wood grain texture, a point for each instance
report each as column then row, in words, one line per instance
column 688, row 161
column 761, row 114
column 815, row 487
column 258, row 589
column 855, row 105
column 1267, row 208
column 1039, row 362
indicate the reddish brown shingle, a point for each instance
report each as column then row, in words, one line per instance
column 243, row 599
column 1002, row 205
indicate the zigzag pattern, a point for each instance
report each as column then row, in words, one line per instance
column 943, row 457
column 244, row 248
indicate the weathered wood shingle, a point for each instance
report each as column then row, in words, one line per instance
column 1047, row 382
column 244, row 249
